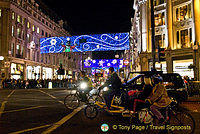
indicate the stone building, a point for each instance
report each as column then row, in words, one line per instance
column 22, row 24
column 177, row 30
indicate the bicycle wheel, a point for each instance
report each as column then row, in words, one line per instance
column 91, row 111
column 71, row 101
column 181, row 123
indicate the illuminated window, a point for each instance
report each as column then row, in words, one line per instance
column 160, row 41
column 12, row 30
column 184, row 12
column 0, row 12
column 160, row 19
column 23, row 21
column 38, row 30
column 18, row 18
column 28, row 37
column 28, row 24
column 158, row 2
column 18, row 32
column 13, row 15
column 33, row 28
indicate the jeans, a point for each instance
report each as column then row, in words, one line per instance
column 108, row 96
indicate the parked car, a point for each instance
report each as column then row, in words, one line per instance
column 173, row 82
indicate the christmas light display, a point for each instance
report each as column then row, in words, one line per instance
column 103, row 63
column 83, row 43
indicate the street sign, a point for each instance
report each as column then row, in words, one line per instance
column 126, row 62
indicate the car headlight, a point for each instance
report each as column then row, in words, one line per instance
column 105, row 89
column 83, row 85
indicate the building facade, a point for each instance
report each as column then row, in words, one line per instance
column 22, row 24
column 176, row 30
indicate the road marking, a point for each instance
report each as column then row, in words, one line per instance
column 17, row 110
column 4, row 103
column 31, row 129
column 63, row 120
column 51, row 96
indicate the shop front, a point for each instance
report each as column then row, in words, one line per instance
column 33, row 72
column 16, row 71
column 181, row 67
column 47, row 73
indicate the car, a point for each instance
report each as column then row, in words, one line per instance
column 173, row 82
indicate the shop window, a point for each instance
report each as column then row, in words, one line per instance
column 184, row 12
column 184, row 38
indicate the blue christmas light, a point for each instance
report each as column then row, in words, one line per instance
column 83, row 43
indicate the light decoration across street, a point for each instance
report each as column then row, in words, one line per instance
column 103, row 63
column 83, row 43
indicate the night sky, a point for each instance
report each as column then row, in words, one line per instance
column 92, row 16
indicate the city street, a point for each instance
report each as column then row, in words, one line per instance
column 42, row 111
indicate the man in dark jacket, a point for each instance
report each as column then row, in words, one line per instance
column 114, row 84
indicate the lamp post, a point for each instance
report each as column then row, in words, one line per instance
column 117, row 57
column 196, row 60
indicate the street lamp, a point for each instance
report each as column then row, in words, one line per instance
column 117, row 57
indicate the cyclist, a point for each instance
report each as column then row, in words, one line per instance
column 159, row 98
column 114, row 84
column 85, row 79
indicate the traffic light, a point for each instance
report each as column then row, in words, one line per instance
column 161, row 54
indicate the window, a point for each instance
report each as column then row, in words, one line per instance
column 160, row 19
column 17, row 49
column 160, row 40
column 18, row 32
column 38, row 30
column 158, row 2
column 42, row 56
column 184, row 38
column 28, row 24
column 12, row 49
column 42, row 20
column 19, row 18
column 13, row 15
column 46, row 34
column 28, row 37
column 42, row 32
column 177, row 36
column 190, row 30
column 0, row 12
column 184, row 12
column 33, row 28
column 13, row 30
column 23, row 21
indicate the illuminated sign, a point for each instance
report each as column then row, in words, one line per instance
column 83, row 43
column 103, row 63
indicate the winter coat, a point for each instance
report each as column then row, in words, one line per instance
column 159, row 96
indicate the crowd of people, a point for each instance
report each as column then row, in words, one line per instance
column 40, row 83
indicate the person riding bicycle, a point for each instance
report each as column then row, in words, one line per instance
column 85, row 85
column 114, row 84
column 159, row 98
